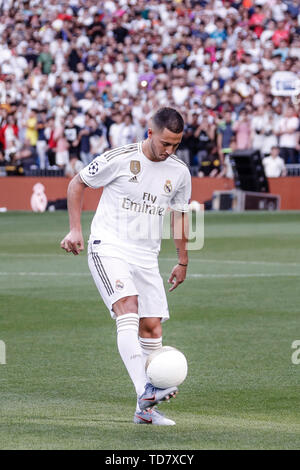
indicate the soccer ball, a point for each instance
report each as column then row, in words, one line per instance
column 166, row 367
column 195, row 206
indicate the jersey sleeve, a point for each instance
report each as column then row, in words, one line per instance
column 100, row 172
column 181, row 198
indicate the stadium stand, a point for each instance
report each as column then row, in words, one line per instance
column 80, row 76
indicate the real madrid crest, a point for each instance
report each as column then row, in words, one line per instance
column 119, row 284
column 168, row 186
column 135, row 167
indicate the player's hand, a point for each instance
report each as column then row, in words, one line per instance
column 177, row 277
column 73, row 242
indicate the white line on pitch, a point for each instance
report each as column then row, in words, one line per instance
column 224, row 261
column 31, row 273
column 196, row 275
column 33, row 255
column 162, row 258
column 212, row 276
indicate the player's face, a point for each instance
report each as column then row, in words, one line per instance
column 163, row 143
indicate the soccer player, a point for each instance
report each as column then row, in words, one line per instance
column 141, row 181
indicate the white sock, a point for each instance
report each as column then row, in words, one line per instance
column 148, row 346
column 130, row 349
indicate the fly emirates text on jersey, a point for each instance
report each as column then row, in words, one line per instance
column 144, row 207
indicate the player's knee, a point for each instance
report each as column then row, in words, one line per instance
column 150, row 328
column 126, row 305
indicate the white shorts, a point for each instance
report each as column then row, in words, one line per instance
column 115, row 279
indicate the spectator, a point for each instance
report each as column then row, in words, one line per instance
column 84, row 141
column 278, row 10
column 210, row 163
column 180, row 91
column 114, row 132
column 41, row 145
column 282, row 50
column 219, row 34
column 282, row 33
column 2, row 159
column 274, row 165
column 192, row 143
column 242, row 129
column 120, row 31
column 293, row 8
column 183, row 150
column 31, row 131
column 81, row 89
column 288, row 136
column 73, row 166
column 98, row 141
column 24, row 157
column 118, row 87
column 71, row 132
column 270, row 138
column 74, row 57
column 211, row 57
column 45, row 59
column 225, row 134
column 128, row 131
column 206, row 135
column 258, row 128
column 9, row 137
column 49, row 133
column 62, row 146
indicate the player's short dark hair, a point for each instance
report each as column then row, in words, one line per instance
column 168, row 118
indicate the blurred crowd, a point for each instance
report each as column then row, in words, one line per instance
column 80, row 76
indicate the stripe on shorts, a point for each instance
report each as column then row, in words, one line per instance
column 102, row 274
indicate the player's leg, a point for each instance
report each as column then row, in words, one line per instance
column 127, row 321
column 150, row 335
column 113, row 279
column 153, row 310
column 130, row 350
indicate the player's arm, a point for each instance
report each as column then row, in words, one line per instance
column 73, row 241
column 180, row 230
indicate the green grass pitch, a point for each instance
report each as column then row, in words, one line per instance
column 235, row 318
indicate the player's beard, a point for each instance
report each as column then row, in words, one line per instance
column 155, row 155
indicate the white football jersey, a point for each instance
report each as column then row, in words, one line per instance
column 137, row 192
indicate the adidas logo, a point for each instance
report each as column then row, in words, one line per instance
column 133, row 180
